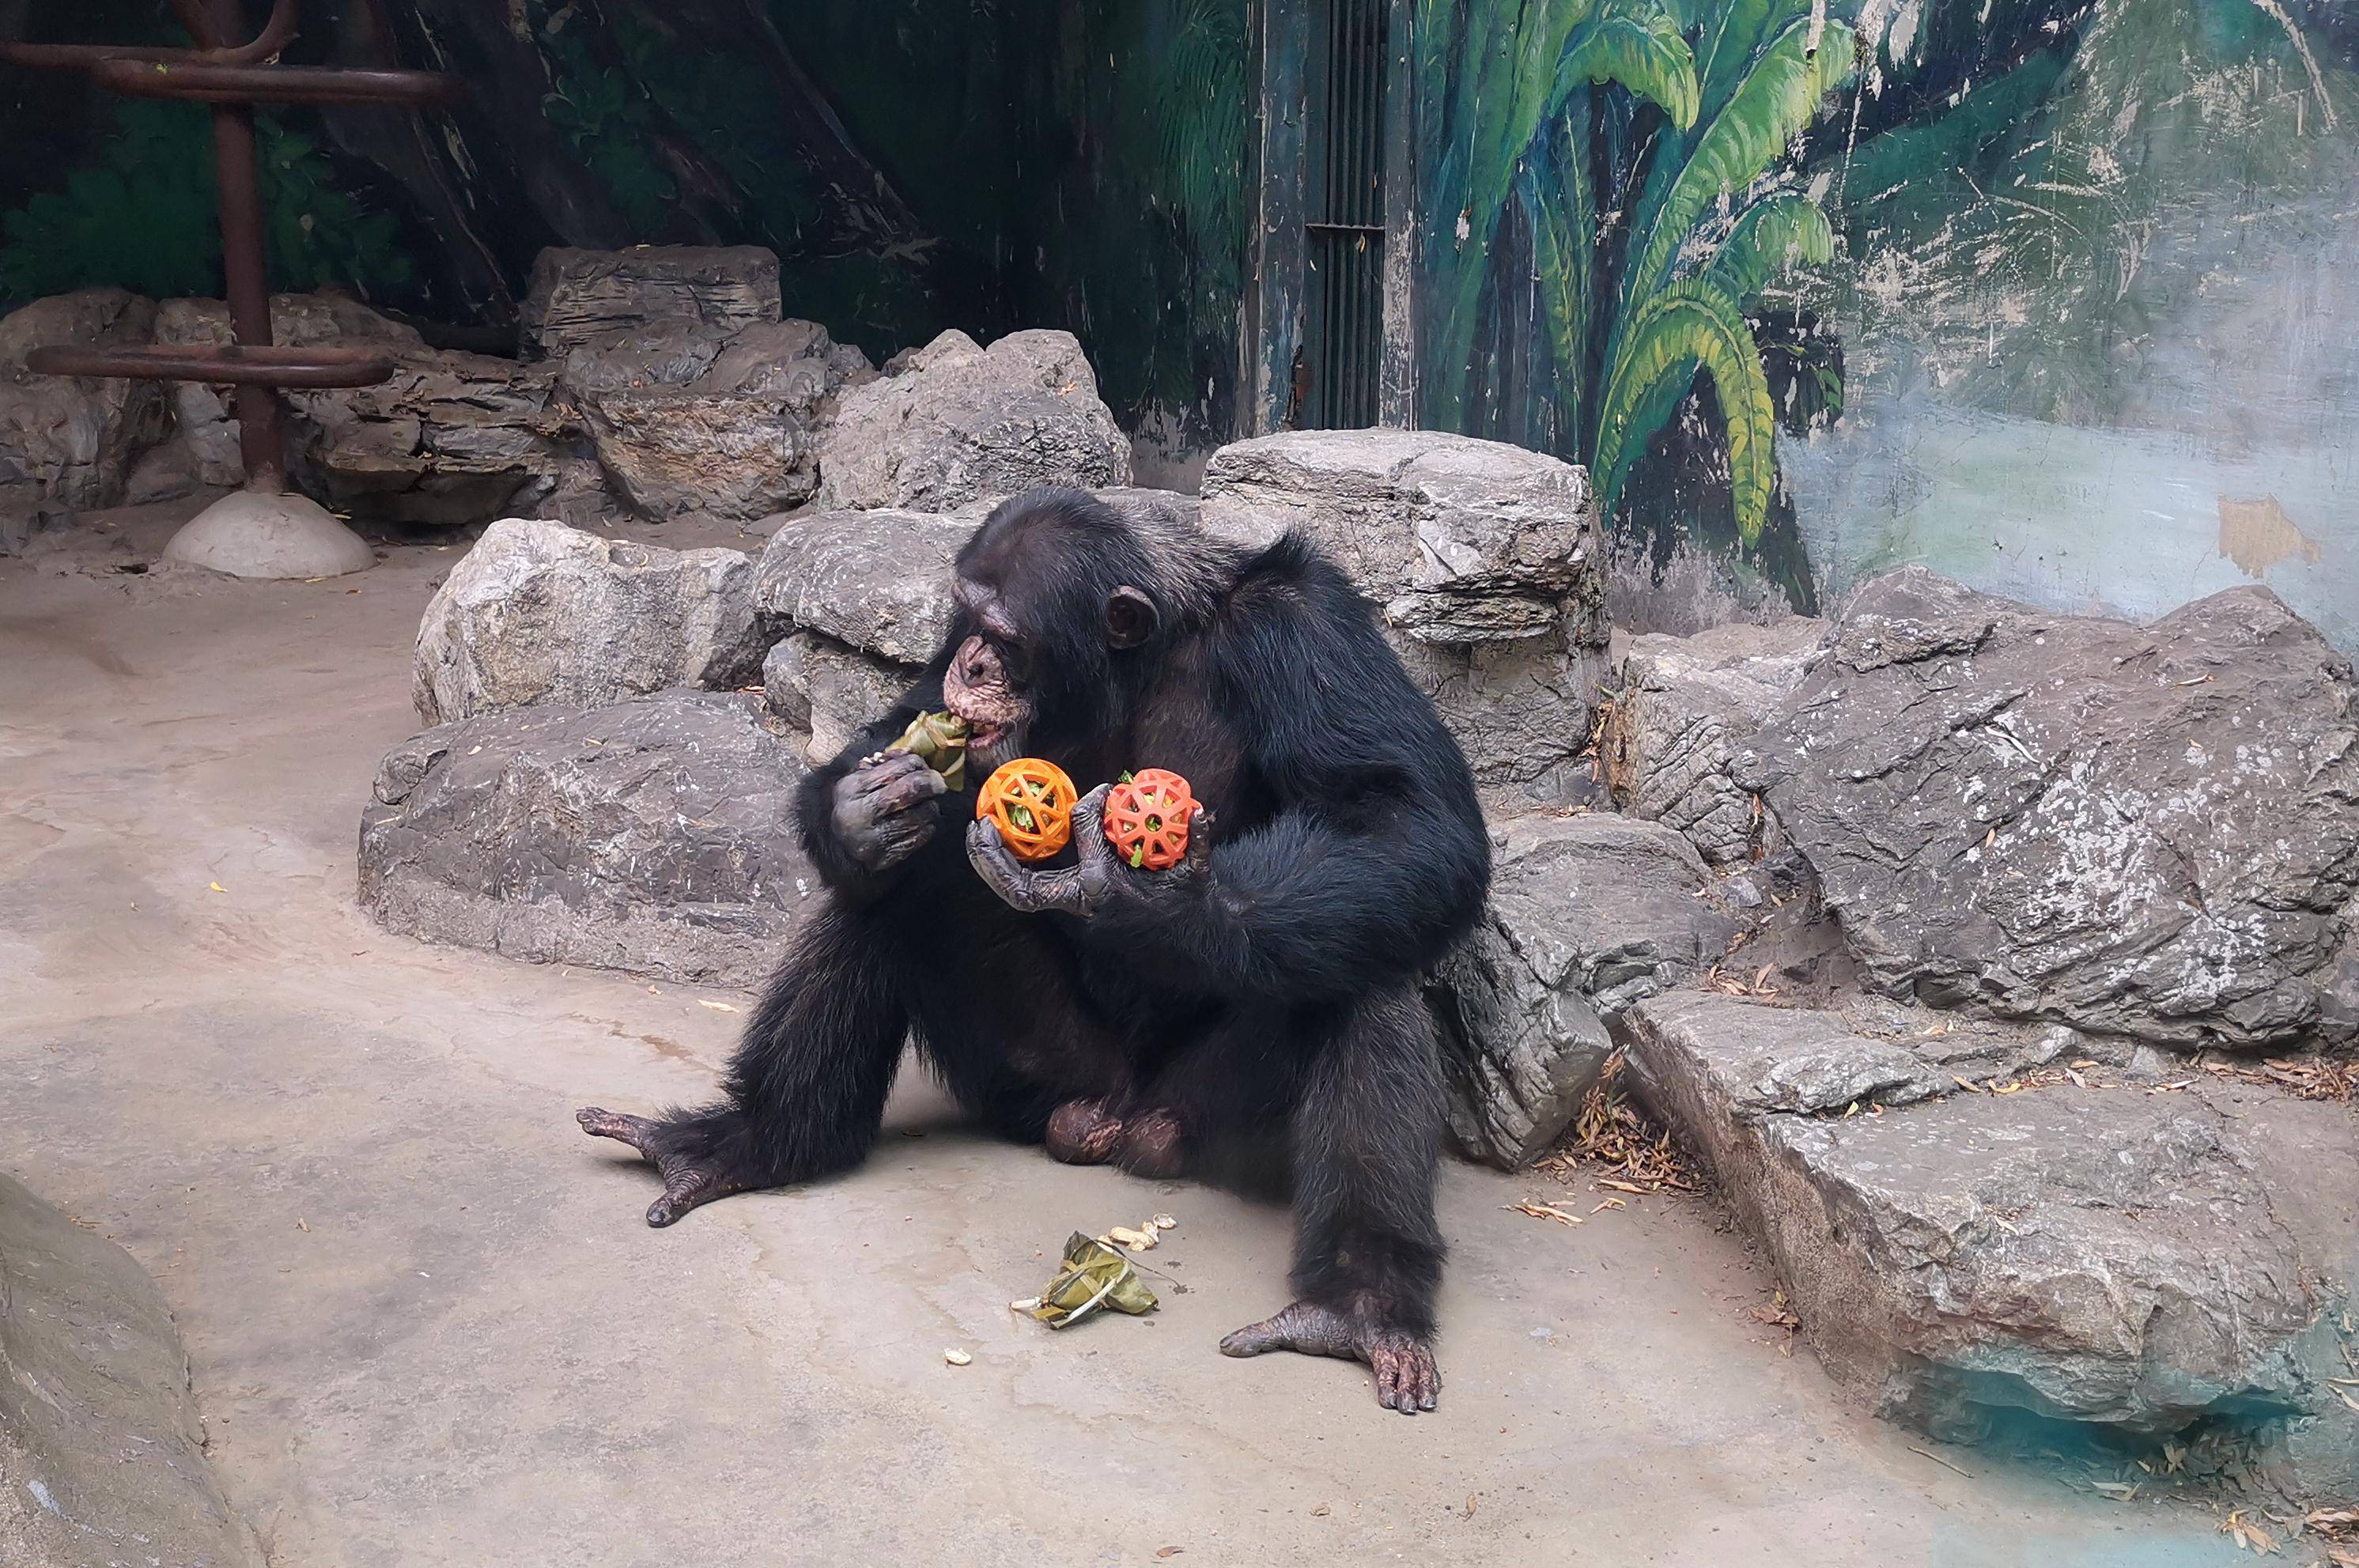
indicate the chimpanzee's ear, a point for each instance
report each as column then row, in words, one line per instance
column 1130, row 618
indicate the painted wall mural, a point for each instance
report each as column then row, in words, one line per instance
column 2059, row 297
column 2055, row 297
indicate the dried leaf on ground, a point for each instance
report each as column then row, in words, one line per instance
column 1615, row 1138
column 2247, row 1533
column 1544, row 1212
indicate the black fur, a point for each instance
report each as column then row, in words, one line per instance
column 1277, row 1013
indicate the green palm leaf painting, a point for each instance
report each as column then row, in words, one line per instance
column 1628, row 152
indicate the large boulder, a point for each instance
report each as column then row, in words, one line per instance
column 655, row 835
column 102, row 1452
column 2082, row 1246
column 579, row 295
column 71, row 440
column 960, row 424
column 539, row 611
column 878, row 582
column 1588, row 916
column 689, row 416
column 2145, row 831
column 1682, row 707
column 1484, row 560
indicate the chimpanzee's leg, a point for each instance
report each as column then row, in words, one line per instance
column 806, row 1089
column 1367, row 1255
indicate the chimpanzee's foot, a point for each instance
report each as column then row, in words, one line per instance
column 688, row 1183
column 1083, row 1132
column 1151, row 1146
column 1406, row 1378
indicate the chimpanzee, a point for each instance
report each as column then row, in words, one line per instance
column 1260, row 995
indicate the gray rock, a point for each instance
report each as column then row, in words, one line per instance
column 655, row 835
column 451, row 439
column 2150, row 831
column 876, row 581
column 686, row 417
column 1682, row 707
column 2139, row 1261
column 539, row 611
column 102, row 1452
column 1484, row 558
column 1588, row 915
column 26, row 520
column 69, row 439
column 576, row 295
column 961, row 424
column 205, row 429
column 818, row 685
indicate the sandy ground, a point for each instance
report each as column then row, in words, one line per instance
column 427, row 1325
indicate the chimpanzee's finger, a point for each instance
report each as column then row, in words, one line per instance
column 998, row 865
column 871, row 777
column 1199, row 861
column 1089, row 826
column 906, row 790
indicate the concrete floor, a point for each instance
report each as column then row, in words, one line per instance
column 428, row 1326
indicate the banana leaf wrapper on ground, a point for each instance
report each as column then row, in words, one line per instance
column 1093, row 1276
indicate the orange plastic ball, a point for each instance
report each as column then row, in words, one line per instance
column 1147, row 819
column 1032, row 803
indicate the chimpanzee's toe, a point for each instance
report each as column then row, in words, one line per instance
column 1153, row 1145
column 1083, row 1132
column 1408, row 1379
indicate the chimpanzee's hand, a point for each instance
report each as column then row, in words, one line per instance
column 884, row 808
column 1100, row 883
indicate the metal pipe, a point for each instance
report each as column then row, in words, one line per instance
column 204, row 82
column 245, row 265
column 225, row 364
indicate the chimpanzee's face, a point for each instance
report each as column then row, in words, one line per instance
column 988, row 685
column 1042, row 627
column 999, row 680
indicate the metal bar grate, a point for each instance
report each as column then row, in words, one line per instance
column 1346, row 229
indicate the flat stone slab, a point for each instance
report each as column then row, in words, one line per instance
column 2142, row 1256
column 577, row 295
column 655, row 835
column 102, row 1453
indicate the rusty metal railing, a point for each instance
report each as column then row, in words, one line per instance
column 232, row 79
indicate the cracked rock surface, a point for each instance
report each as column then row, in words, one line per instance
column 1588, row 915
column 2131, row 1255
column 539, row 611
column 955, row 423
column 2145, row 831
column 1683, row 707
column 655, row 835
